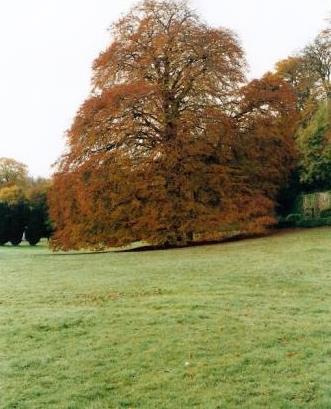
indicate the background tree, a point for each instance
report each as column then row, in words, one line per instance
column 315, row 147
column 317, row 56
column 23, row 204
column 15, row 211
column 12, row 172
column 309, row 74
column 163, row 149
column 296, row 72
column 38, row 223
column 4, row 223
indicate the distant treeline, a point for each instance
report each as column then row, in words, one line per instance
column 23, row 205
column 21, row 220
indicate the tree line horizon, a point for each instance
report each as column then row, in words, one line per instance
column 23, row 204
column 174, row 144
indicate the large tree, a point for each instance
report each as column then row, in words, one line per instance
column 170, row 146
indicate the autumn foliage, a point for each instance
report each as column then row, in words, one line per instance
column 173, row 145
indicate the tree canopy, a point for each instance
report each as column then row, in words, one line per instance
column 172, row 145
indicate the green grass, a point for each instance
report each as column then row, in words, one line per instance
column 237, row 325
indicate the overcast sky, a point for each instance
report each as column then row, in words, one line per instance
column 47, row 48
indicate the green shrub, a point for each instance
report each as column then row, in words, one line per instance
column 308, row 222
column 35, row 227
column 314, row 222
column 4, row 223
column 293, row 218
column 282, row 222
column 299, row 220
column 325, row 213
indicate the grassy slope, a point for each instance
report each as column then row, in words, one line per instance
column 238, row 325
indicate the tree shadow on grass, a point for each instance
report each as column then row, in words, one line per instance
column 146, row 247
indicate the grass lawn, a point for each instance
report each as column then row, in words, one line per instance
column 237, row 325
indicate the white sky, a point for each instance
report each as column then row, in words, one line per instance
column 47, row 48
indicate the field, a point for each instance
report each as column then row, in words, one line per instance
column 238, row 325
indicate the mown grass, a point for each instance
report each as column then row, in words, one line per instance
column 236, row 325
